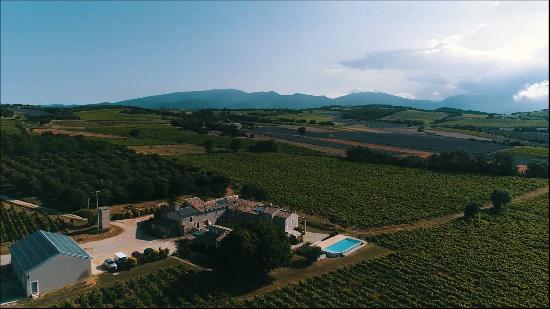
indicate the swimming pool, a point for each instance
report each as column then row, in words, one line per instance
column 343, row 246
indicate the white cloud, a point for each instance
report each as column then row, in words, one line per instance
column 532, row 92
column 406, row 95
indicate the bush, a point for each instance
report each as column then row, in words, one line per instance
column 472, row 210
column 312, row 253
column 251, row 191
column 264, row 146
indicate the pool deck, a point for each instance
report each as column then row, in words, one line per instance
column 332, row 240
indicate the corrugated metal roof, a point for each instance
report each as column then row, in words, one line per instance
column 40, row 246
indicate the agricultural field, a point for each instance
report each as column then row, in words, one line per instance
column 499, row 260
column 498, row 123
column 426, row 117
column 358, row 194
column 115, row 114
column 502, row 260
column 405, row 140
column 16, row 223
column 304, row 116
column 539, row 152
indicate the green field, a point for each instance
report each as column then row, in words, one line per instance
column 502, row 261
column 114, row 114
column 304, row 115
column 498, row 261
column 161, row 134
column 498, row 122
column 357, row 194
column 427, row 117
column 539, row 152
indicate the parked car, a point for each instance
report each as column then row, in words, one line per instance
column 110, row 264
column 137, row 254
column 120, row 257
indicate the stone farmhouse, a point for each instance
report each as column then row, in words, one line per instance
column 195, row 214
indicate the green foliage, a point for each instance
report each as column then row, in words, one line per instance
column 63, row 171
column 371, row 112
column 255, row 248
column 235, row 145
column 359, row 194
column 264, row 146
column 537, row 170
column 500, row 198
column 500, row 262
column 251, row 191
column 472, row 210
column 16, row 224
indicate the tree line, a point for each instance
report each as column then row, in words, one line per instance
column 63, row 171
column 457, row 161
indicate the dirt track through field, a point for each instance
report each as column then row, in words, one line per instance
column 427, row 223
column 399, row 150
column 75, row 133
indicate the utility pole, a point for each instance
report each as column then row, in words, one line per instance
column 88, row 202
column 97, row 208
column 305, row 226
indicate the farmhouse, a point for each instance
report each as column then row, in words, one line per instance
column 46, row 261
column 196, row 214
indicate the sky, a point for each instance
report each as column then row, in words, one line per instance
column 89, row 52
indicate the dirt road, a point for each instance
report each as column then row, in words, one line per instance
column 426, row 223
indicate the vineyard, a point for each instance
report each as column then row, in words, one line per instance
column 356, row 194
column 16, row 223
column 501, row 260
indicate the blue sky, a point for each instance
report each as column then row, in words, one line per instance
column 88, row 52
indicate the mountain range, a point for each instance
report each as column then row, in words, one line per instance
column 238, row 99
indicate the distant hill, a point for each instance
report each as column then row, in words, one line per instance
column 233, row 99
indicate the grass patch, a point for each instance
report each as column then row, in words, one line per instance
column 427, row 117
column 499, row 123
column 114, row 114
column 539, row 152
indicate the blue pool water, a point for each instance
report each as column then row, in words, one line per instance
column 343, row 245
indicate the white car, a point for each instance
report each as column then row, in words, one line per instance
column 110, row 264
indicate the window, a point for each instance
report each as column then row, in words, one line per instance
column 190, row 219
column 34, row 287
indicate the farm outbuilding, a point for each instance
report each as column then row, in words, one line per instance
column 45, row 261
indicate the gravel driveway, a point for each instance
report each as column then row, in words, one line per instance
column 132, row 239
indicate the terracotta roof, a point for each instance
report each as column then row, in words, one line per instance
column 243, row 205
column 195, row 202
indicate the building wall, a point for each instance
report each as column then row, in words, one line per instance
column 199, row 220
column 291, row 222
column 58, row 272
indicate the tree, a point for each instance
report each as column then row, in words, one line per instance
column 253, row 249
column 264, row 146
column 311, row 253
column 135, row 132
column 499, row 199
column 302, row 130
column 536, row 170
column 251, row 191
column 235, row 145
column 472, row 210
column 208, row 145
